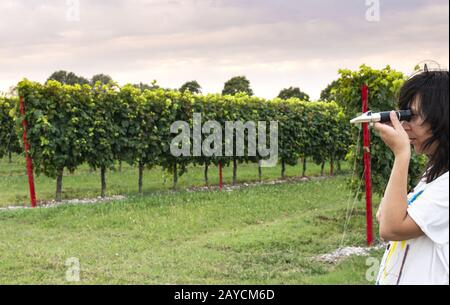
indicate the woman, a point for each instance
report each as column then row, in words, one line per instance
column 417, row 224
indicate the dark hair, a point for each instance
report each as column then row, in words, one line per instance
column 431, row 88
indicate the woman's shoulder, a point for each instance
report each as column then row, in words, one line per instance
column 440, row 182
column 442, row 178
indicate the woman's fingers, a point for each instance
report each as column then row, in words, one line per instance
column 394, row 136
column 395, row 122
column 376, row 129
column 391, row 127
column 380, row 127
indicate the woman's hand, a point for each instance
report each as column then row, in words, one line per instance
column 395, row 136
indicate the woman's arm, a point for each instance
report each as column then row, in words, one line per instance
column 395, row 223
column 378, row 215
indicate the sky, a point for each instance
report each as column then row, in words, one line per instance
column 274, row 43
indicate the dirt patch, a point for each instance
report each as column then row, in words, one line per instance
column 231, row 187
column 343, row 253
column 53, row 203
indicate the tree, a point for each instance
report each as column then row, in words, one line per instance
column 58, row 118
column 59, row 76
column 141, row 86
column 192, row 86
column 291, row 134
column 384, row 86
column 237, row 84
column 12, row 91
column 291, row 92
column 106, row 134
column 329, row 93
column 173, row 107
column 9, row 141
column 102, row 78
column 68, row 78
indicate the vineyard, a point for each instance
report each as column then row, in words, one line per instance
column 222, row 151
column 263, row 233
column 101, row 125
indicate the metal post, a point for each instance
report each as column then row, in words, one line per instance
column 367, row 167
column 27, row 155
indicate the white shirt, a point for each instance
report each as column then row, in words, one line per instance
column 422, row 260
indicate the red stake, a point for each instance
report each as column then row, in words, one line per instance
column 367, row 166
column 27, row 149
column 220, row 176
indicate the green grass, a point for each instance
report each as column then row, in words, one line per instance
column 83, row 183
column 260, row 235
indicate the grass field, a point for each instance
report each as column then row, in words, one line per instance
column 269, row 234
column 83, row 183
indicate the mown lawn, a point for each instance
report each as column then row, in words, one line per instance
column 259, row 235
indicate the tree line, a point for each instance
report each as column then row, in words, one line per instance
column 233, row 86
column 102, row 123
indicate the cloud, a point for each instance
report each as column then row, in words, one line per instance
column 275, row 44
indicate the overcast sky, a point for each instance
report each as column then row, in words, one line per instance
column 274, row 43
